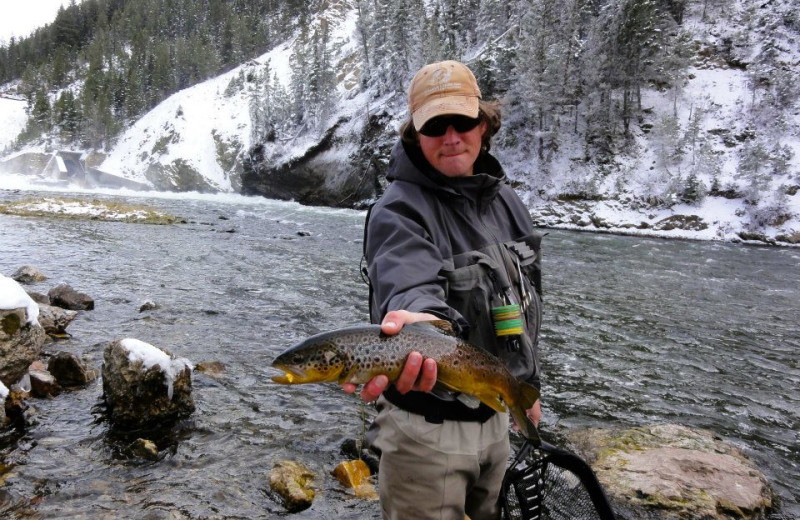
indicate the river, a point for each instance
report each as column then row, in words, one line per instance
column 636, row 331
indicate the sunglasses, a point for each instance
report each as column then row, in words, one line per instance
column 438, row 126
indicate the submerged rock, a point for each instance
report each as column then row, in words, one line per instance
column 673, row 472
column 144, row 385
column 214, row 369
column 144, row 448
column 293, row 481
column 64, row 296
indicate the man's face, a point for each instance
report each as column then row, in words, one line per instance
column 453, row 153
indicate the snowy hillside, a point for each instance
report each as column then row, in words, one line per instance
column 712, row 156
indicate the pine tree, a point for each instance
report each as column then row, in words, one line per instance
column 66, row 116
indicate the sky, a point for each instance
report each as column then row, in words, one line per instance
column 19, row 19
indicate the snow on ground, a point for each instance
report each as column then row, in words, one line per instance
column 14, row 118
column 184, row 125
column 13, row 296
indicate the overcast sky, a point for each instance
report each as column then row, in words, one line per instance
column 20, row 18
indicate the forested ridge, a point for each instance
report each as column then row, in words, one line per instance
column 102, row 63
column 571, row 76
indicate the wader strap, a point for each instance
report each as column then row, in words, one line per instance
column 437, row 410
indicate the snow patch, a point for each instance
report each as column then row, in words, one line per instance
column 3, row 392
column 13, row 296
column 151, row 356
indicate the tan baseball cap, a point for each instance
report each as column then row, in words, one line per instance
column 446, row 87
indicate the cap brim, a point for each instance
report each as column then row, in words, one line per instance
column 449, row 105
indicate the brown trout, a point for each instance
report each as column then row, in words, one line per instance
column 357, row 354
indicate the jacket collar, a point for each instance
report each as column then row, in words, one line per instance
column 408, row 164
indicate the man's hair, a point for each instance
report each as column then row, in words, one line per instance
column 489, row 114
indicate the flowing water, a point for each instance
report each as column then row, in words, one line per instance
column 636, row 331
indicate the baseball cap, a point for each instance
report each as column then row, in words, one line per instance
column 443, row 88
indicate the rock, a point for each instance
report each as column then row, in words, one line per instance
column 43, row 384
column 354, row 474
column 28, row 274
column 148, row 306
column 144, row 385
column 69, row 370
column 41, row 299
column 293, row 482
column 210, row 368
column 790, row 238
column 144, row 448
column 55, row 320
column 20, row 344
column 66, row 297
column 684, row 222
column 672, row 472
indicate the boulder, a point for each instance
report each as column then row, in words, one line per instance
column 20, row 344
column 28, row 274
column 55, row 320
column 144, row 385
column 293, row 481
column 70, row 371
column 64, row 296
column 672, row 472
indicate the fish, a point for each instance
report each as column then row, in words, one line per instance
column 359, row 353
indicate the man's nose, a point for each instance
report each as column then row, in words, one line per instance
column 451, row 134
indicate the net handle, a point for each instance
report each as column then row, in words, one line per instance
column 573, row 463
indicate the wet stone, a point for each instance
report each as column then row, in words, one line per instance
column 70, row 371
column 293, row 481
column 64, row 296
column 27, row 274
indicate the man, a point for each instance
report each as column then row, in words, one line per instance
column 450, row 240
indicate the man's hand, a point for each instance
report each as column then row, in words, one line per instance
column 418, row 373
column 535, row 412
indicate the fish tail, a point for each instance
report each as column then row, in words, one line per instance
column 527, row 395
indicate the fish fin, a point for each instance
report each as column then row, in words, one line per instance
column 493, row 401
column 444, row 326
column 469, row 400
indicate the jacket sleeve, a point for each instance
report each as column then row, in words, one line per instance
column 404, row 264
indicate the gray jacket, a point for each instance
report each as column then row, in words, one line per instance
column 455, row 247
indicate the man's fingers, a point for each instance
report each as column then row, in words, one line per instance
column 427, row 376
column 410, row 373
column 374, row 388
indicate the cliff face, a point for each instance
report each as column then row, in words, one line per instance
column 343, row 169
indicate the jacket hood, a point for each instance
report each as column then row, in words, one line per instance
column 408, row 164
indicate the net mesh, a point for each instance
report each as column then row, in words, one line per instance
column 538, row 487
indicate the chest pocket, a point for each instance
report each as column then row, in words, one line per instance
column 496, row 276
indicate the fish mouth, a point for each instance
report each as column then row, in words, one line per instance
column 290, row 375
